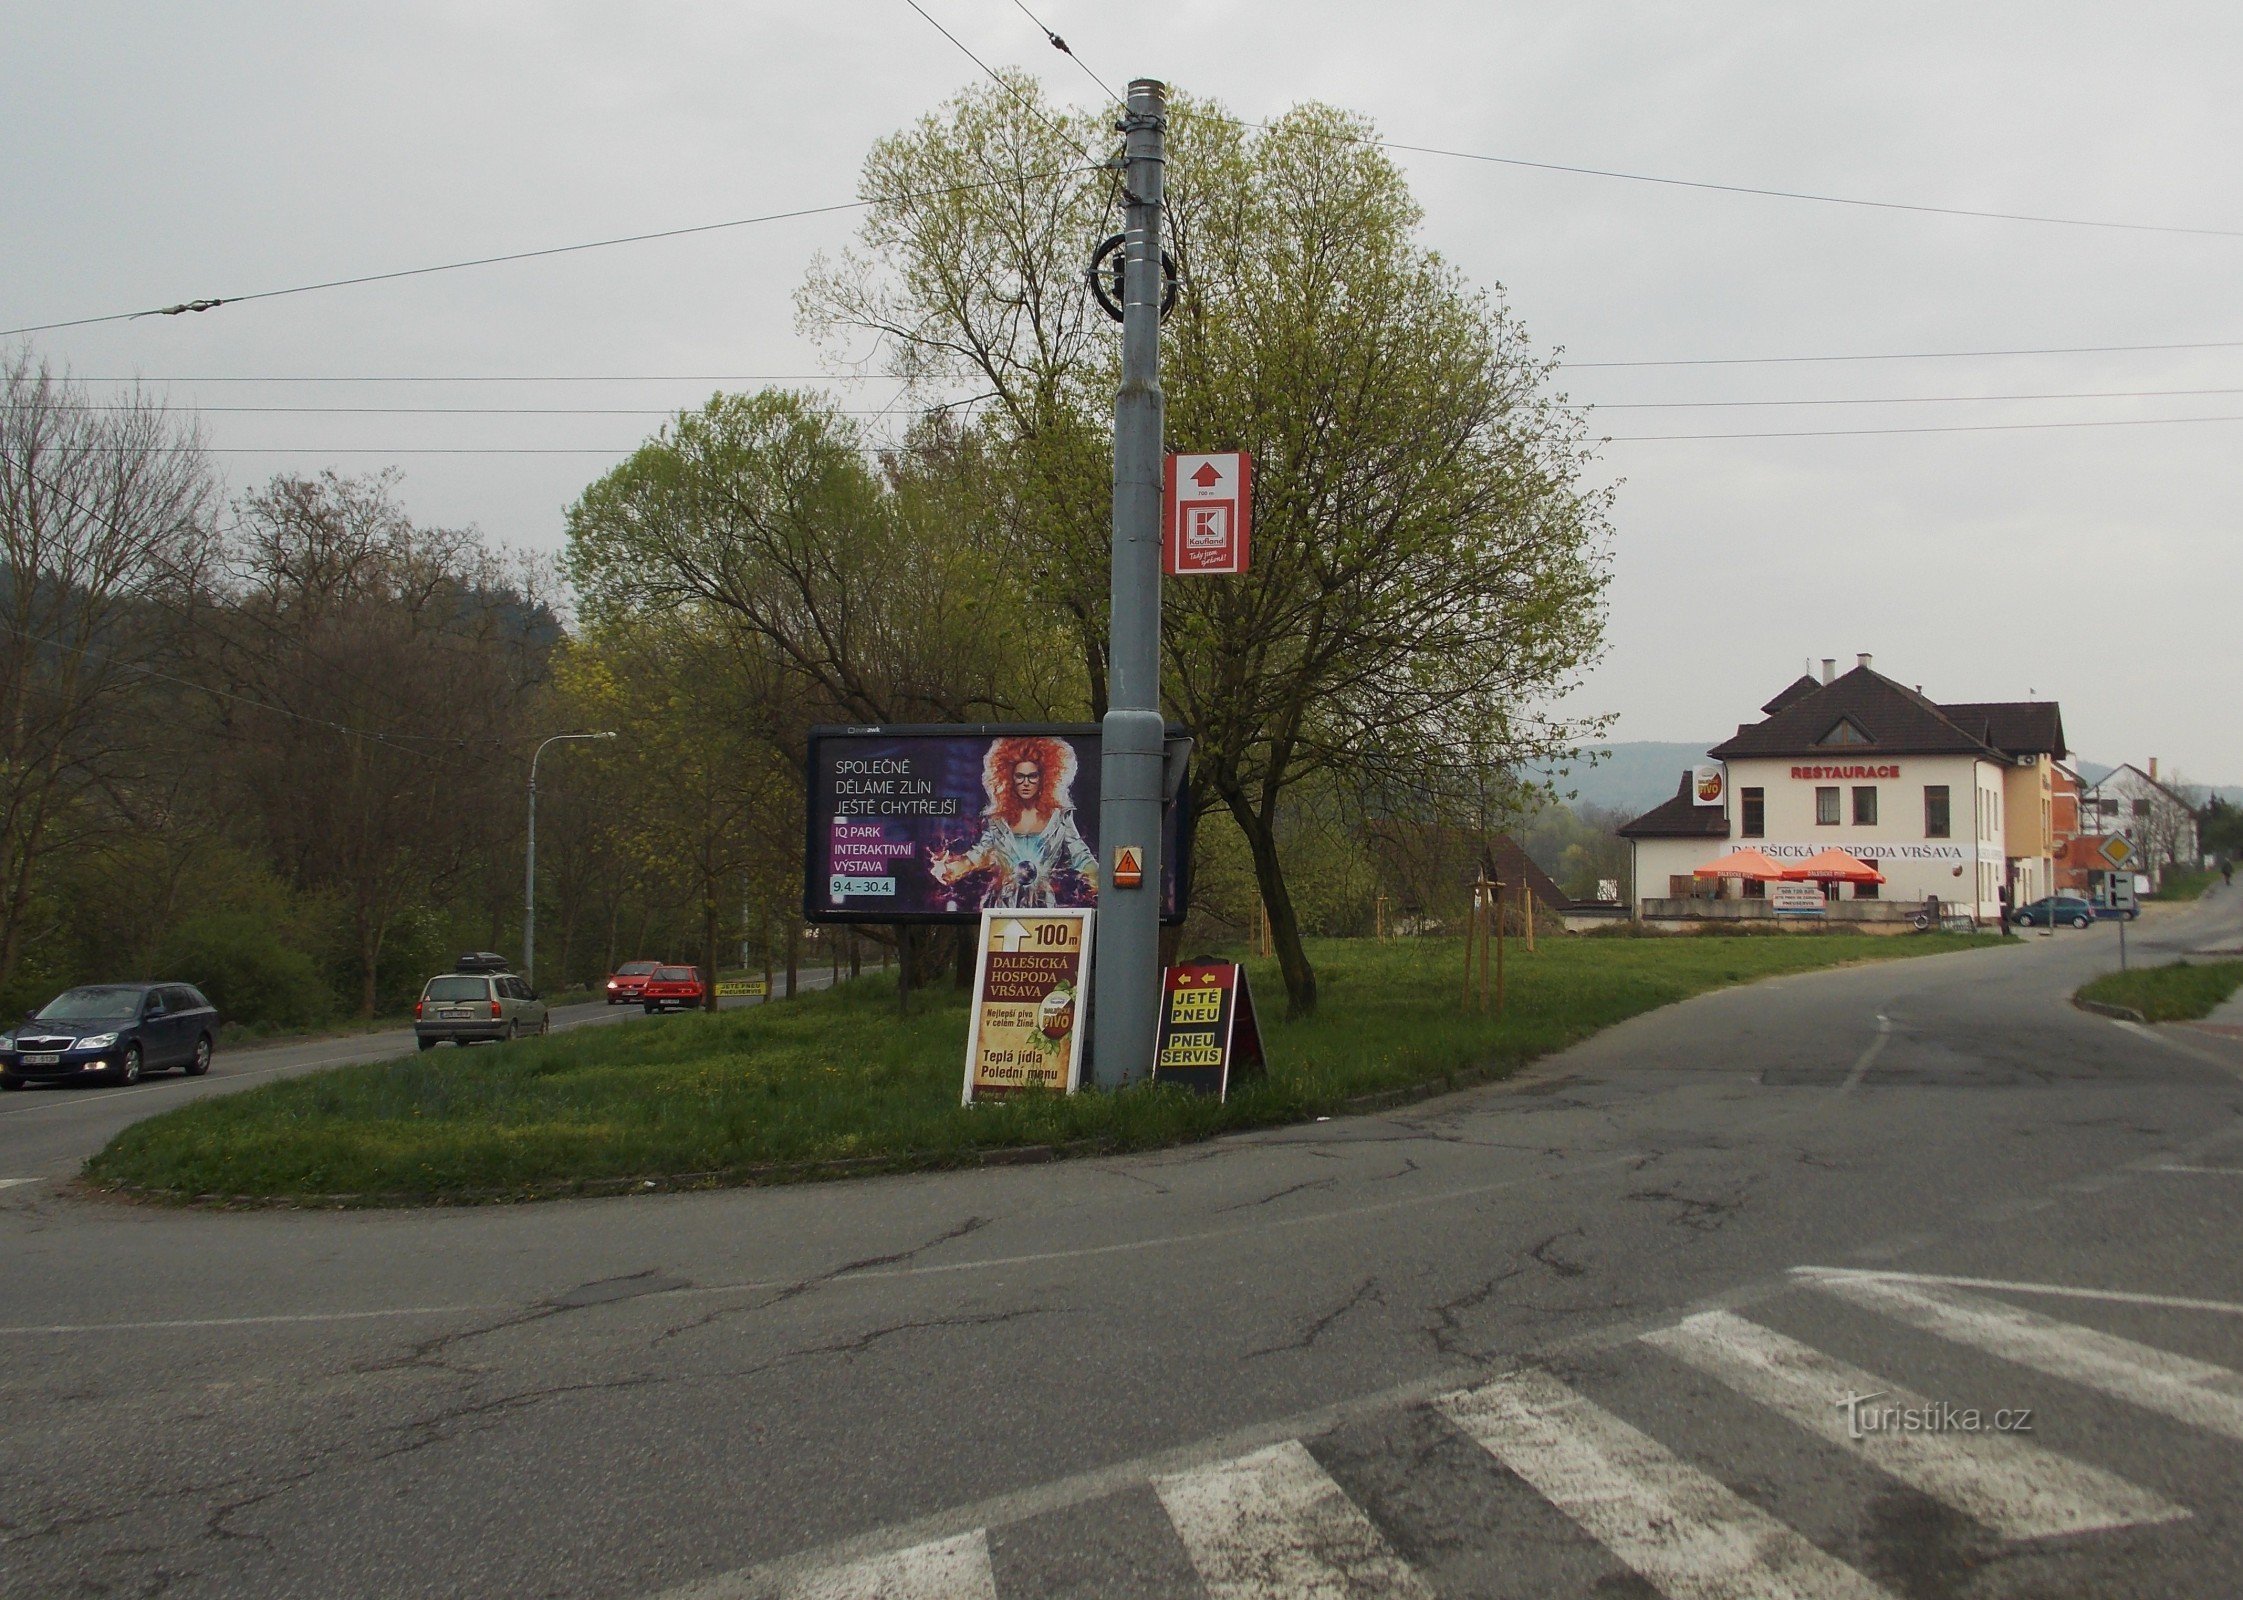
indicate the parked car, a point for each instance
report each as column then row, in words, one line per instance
column 473, row 1003
column 669, row 988
column 112, row 1031
column 627, row 984
column 2118, row 913
column 2052, row 911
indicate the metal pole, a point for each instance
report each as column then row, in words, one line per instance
column 1125, row 999
column 529, row 860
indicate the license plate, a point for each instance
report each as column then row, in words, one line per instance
column 458, row 1013
column 42, row 1061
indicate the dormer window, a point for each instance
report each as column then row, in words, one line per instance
column 1845, row 733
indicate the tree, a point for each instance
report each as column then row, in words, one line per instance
column 376, row 679
column 1428, row 564
column 104, row 526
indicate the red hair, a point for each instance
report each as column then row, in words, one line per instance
column 1055, row 760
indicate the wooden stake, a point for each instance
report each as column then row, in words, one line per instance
column 1526, row 910
column 1498, row 952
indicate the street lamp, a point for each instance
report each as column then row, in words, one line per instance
column 529, row 885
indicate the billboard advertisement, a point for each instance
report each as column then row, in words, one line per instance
column 941, row 822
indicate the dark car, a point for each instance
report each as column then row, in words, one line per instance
column 113, row 1032
column 627, row 984
column 672, row 986
column 2054, row 911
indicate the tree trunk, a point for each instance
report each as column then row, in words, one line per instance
column 903, row 969
column 856, row 955
column 1284, row 926
column 794, row 956
column 962, row 972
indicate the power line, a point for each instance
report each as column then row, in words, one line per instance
column 481, row 411
column 1067, row 50
column 874, row 377
column 531, row 255
column 998, row 79
column 1908, row 399
column 1905, row 355
column 1956, row 427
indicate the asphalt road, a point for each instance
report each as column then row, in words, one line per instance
column 1585, row 1334
column 47, row 1130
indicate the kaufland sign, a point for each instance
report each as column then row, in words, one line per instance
column 1209, row 512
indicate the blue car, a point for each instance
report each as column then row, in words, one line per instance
column 2054, row 911
column 111, row 1032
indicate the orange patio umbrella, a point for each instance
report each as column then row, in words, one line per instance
column 1833, row 866
column 1746, row 863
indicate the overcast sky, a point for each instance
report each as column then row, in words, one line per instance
column 154, row 154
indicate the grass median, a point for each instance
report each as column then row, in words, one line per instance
column 2180, row 991
column 836, row 1083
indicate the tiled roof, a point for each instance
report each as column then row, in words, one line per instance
column 1790, row 692
column 1894, row 719
column 2014, row 727
column 1678, row 818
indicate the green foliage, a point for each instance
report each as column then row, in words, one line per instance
column 2183, row 883
column 2179, row 992
column 753, row 1095
column 251, row 973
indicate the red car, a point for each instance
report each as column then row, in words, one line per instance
column 678, row 987
column 629, row 982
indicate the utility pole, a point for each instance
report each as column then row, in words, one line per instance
column 529, row 870
column 1125, row 998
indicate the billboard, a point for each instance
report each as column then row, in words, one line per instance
column 940, row 822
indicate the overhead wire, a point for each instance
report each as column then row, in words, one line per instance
column 211, row 304
column 1067, row 50
column 1943, row 427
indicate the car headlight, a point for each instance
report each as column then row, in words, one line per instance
column 98, row 1041
column 7, row 1041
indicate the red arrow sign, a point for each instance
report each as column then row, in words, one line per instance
column 1207, row 477
column 1208, row 507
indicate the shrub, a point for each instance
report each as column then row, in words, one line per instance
column 251, row 974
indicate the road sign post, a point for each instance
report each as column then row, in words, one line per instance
column 1125, row 999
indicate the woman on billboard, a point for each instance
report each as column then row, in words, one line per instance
column 1029, row 845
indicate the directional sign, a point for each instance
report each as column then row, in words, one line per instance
column 2118, row 850
column 1209, row 513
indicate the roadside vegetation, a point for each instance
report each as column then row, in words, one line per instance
column 838, row 1083
column 2183, row 883
column 2181, row 991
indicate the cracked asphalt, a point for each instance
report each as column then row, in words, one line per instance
column 615, row 1397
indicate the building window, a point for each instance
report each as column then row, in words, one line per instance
column 1865, row 891
column 1826, row 807
column 1755, row 889
column 1865, row 806
column 1756, row 813
column 1936, row 822
column 2141, row 808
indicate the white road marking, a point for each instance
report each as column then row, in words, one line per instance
column 2220, row 1172
column 1686, row 1533
column 10, row 1183
column 248, row 1322
column 2065, row 1291
column 1868, row 1057
column 947, row 1569
column 2013, row 1487
column 1274, row 1526
column 2195, row 1392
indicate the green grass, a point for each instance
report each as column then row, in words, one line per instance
column 2183, row 883
column 837, row 1078
column 2180, row 992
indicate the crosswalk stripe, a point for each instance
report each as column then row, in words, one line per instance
column 2016, row 1488
column 1686, row 1533
column 1274, row 1526
column 2195, row 1392
column 945, row 1569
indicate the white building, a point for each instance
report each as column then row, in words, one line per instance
column 1951, row 801
column 2160, row 822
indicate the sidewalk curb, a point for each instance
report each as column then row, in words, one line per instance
column 2117, row 1013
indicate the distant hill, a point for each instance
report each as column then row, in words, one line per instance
column 1631, row 776
column 1635, row 775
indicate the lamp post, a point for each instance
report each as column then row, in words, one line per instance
column 529, row 875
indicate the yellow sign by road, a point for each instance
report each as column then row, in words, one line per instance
column 1031, row 982
column 728, row 987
